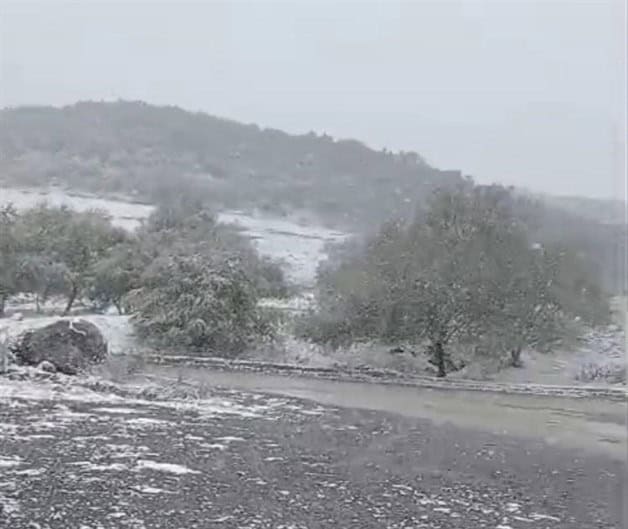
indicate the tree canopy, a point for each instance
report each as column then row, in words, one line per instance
column 187, row 280
column 464, row 269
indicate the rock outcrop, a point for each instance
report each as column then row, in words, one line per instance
column 69, row 345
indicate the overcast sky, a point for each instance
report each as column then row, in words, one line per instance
column 529, row 93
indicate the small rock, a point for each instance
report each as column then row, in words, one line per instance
column 46, row 366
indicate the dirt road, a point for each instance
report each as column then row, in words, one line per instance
column 595, row 425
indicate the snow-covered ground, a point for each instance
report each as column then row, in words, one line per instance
column 299, row 247
column 127, row 215
column 598, row 357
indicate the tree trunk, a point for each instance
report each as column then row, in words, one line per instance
column 37, row 303
column 515, row 357
column 439, row 353
column 118, row 305
column 3, row 302
column 71, row 299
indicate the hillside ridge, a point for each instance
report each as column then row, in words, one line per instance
column 140, row 149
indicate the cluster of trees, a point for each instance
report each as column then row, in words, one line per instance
column 465, row 271
column 186, row 280
column 50, row 251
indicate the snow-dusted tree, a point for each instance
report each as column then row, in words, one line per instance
column 9, row 255
column 186, row 221
column 197, row 301
column 116, row 274
column 451, row 255
column 42, row 276
column 462, row 270
column 73, row 240
column 521, row 297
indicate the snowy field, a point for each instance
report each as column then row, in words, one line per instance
column 124, row 214
column 299, row 247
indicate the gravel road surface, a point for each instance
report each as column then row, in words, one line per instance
column 238, row 459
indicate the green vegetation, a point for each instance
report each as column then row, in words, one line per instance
column 8, row 255
column 51, row 251
column 198, row 303
column 463, row 272
column 186, row 280
column 60, row 247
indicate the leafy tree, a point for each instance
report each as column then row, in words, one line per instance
column 524, row 306
column 199, row 302
column 9, row 255
column 115, row 275
column 40, row 275
column 72, row 240
column 83, row 241
column 186, row 221
column 193, row 283
column 463, row 269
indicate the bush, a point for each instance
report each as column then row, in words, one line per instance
column 198, row 302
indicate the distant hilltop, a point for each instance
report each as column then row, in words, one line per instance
column 141, row 149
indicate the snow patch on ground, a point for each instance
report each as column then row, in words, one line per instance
column 598, row 358
column 301, row 248
column 122, row 400
column 152, row 490
column 172, row 468
column 116, row 411
column 230, row 439
column 126, row 215
column 8, row 462
column 213, row 446
column 145, row 422
column 46, row 391
column 88, row 466
column 10, row 506
column 127, row 451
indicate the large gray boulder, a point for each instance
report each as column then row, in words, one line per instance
column 69, row 345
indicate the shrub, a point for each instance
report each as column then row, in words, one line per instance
column 199, row 302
